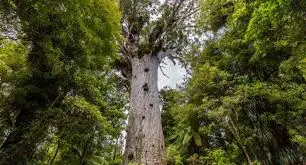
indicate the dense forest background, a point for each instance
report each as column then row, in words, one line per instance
column 63, row 100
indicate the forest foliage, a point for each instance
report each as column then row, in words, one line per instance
column 62, row 100
column 245, row 101
column 59, row 100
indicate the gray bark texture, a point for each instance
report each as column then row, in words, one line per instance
column 145, row 140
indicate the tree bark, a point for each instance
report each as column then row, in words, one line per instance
column 145, row 140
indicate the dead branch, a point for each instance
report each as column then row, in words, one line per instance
column 163, row 72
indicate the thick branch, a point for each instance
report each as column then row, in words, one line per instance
column 167, row 53
column 125, row 67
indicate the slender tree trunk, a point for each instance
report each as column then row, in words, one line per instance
column 115, row 149
column 145, row 140
column 55, row 154
column 246, row 154
column 235, row 133
column 84, row 152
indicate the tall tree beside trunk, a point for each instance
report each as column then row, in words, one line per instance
column 152, row 31
column 62, row 39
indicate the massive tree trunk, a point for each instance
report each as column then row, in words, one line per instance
column 149, row 38
column 145, row 141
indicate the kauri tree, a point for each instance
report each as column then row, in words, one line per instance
column 152, row 30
